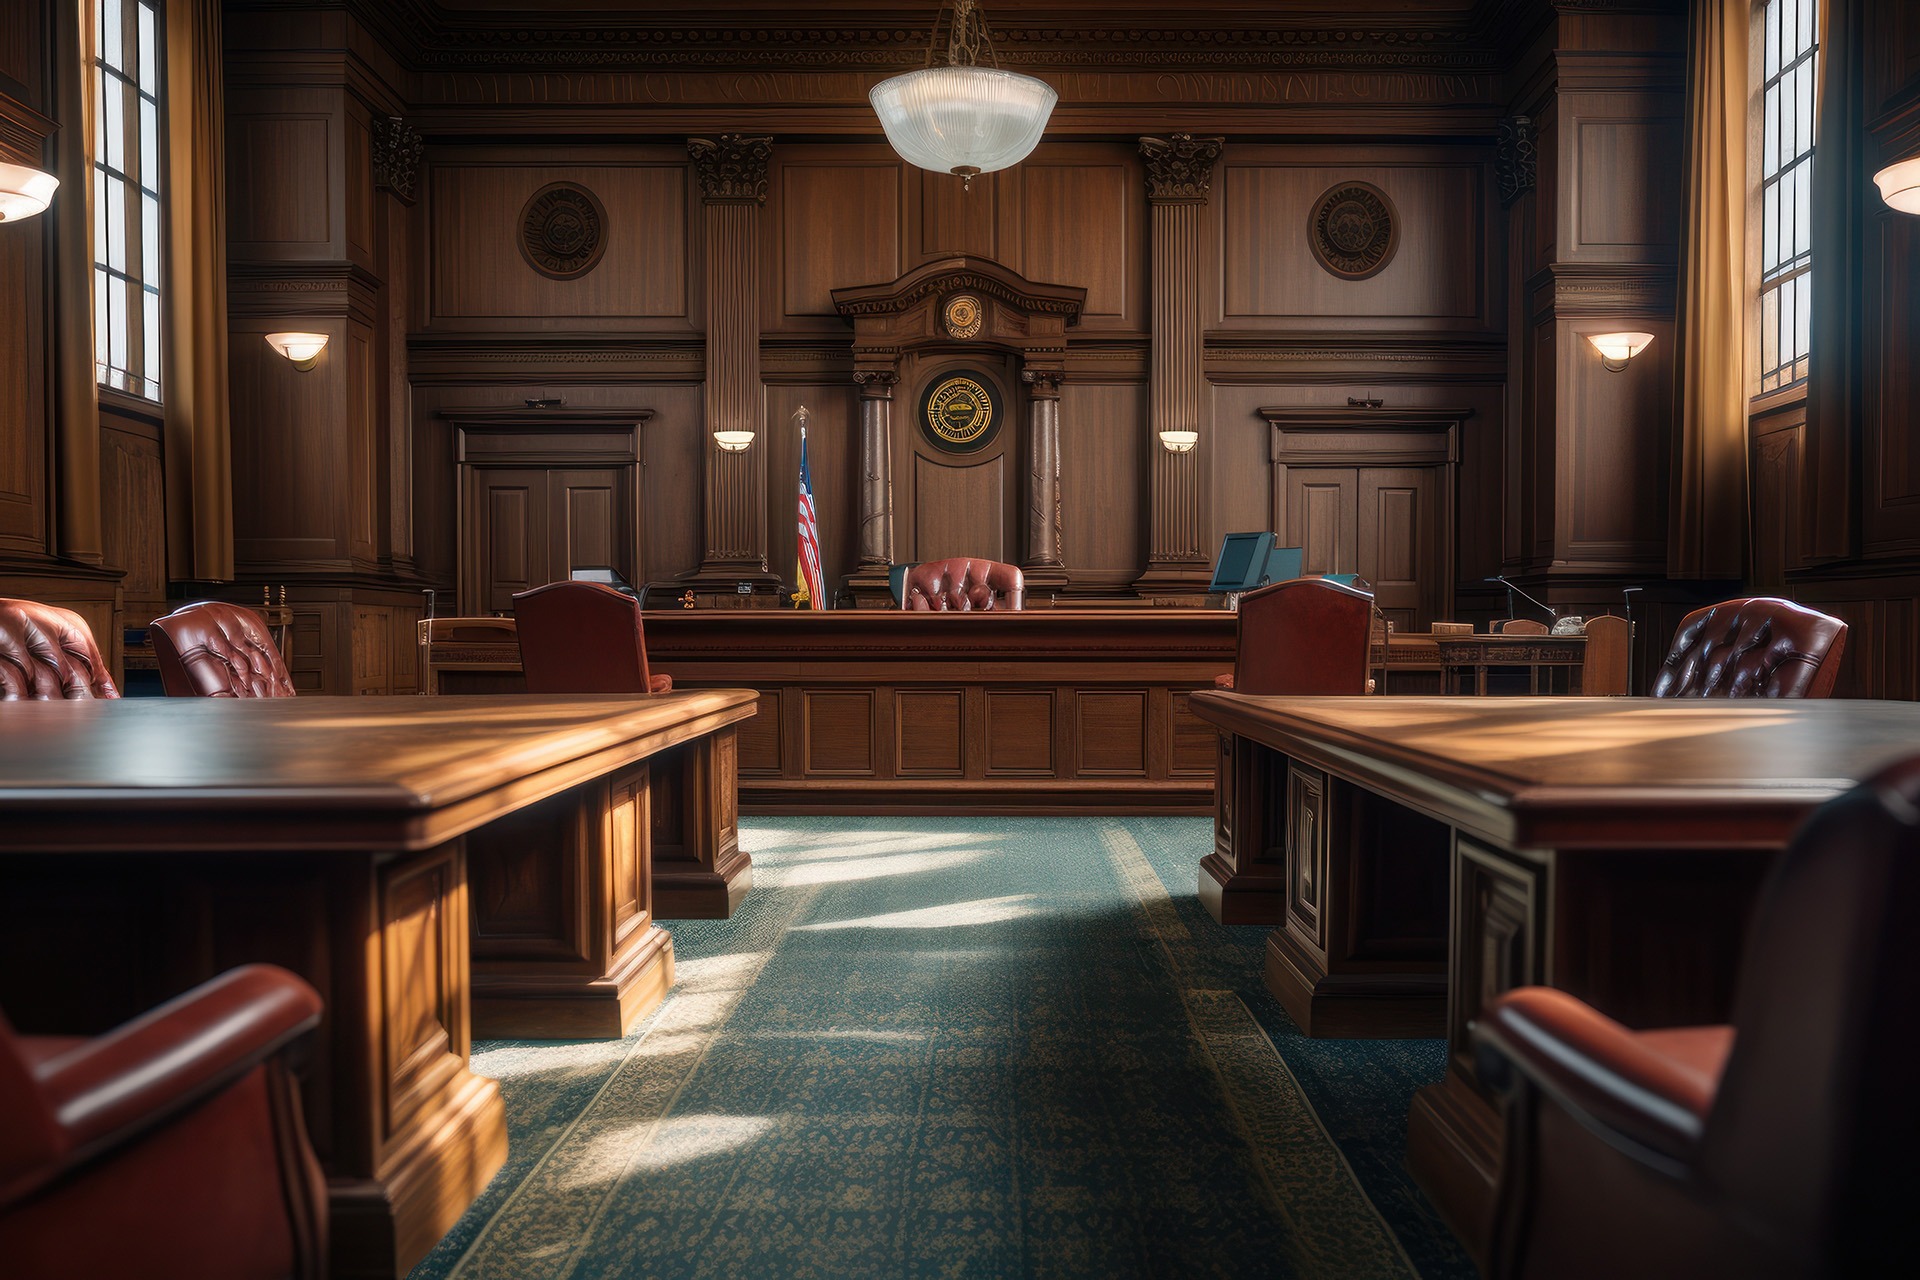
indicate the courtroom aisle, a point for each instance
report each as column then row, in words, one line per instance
column 958, row 1047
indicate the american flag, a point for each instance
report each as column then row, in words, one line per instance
column 809, row 569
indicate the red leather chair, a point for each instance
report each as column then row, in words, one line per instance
column 582, row 637
column 963, row 585
column 1783, row 1144
column 1757, row 648
column 1302, row 636
column 218, row 650
column 172, row 1146
column 48, row 653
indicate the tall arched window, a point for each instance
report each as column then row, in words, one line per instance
column 127, row 178
column 1787, row 45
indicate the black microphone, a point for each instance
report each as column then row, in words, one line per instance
column 1513, row 590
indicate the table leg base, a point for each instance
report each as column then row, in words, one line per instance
column 568, row 1007
column 1231, row 898
column 1454, row 1138
column 1358, row 1006
column 701, row 895
column 380, row 1227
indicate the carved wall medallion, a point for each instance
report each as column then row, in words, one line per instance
column 563, row 231
column 959, row 412
column 1354, row 230
column 962, row 315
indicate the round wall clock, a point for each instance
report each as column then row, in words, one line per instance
column 962, row 315
column 960, row 411
column 1354, row 230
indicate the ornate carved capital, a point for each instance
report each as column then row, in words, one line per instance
column 1045, row 382
column 734, row 168
column 1180, row 167
column 876, row 384
column 397, row 147
column 1515, row 166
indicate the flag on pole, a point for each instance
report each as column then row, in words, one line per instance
column 812, row 589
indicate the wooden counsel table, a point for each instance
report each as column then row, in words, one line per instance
column 371, row 845
column 1429, row 853
column 886, row 711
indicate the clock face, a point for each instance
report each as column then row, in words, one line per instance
column 962, row 315
column 959, row 412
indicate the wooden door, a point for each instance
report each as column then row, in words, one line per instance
column 1384, row 523
column 590, row 521
column 1399, row 542
column 1321, row 519
column 508, row 536
column 535, row 525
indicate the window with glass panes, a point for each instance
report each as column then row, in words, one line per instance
column 126, row 195
column 1789, row 38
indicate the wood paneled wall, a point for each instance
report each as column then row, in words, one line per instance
column 346, row 484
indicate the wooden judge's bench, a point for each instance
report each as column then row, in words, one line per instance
column 867, row 711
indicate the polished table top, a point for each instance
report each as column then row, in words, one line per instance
column 407, row 772
column 1592, row 772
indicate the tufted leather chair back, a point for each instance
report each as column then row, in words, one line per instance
column 583, row 637
column 1304, row 636
column 962, row 585
column 48, row 653
column 1756, row 648
column 218, row 650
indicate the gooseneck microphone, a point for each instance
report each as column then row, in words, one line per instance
column 1514, row 590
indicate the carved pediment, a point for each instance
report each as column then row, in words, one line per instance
column 935, row 280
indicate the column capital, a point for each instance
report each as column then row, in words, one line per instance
column 1180, row 167
column 1516, row 161
column 876, row 384
column 1045, row 382
column 396, row 151
column 732, row 169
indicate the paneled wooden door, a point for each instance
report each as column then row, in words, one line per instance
column 534, row 525
column 1384, row 523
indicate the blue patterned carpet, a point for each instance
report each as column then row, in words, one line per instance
column 958, row 1047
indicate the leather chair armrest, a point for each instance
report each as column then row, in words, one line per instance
column 107, row 1089
column 659, row 684
column 1618, row 1083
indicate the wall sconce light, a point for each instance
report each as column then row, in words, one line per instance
column 302, row 348
column 1900, row 185
column 24, row 192
column 1617, row 348
column 1179, row 441
column 733, row 441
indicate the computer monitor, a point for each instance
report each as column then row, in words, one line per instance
column 605, row 576
column 1242, row 563
column 1284, row 564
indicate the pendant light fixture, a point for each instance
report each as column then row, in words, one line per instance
column 24, row 191
column 962, row 117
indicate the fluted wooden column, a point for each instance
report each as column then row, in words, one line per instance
column 733, row 188
column 1179, row 176
column 868, row 581
column 1043, row 566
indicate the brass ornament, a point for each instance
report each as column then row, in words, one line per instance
column 962, row 315
column 1354, row 230
column 959, row 412
column 563, row 231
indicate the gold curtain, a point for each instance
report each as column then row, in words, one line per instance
column 194, row 383
column 76, row 390
column 1708, row 523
